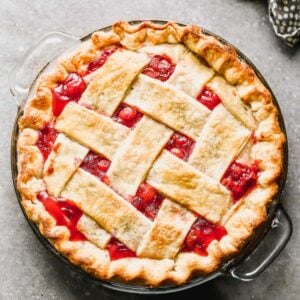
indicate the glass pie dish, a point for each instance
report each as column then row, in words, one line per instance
column 264, row 246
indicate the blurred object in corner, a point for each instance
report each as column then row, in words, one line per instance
column 285, row 18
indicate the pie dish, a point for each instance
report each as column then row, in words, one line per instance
column 150, row 154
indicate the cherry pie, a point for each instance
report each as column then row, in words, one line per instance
column 150, row 154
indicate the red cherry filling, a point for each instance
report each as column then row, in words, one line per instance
column 146, row 192
column 100, row 61
column 95, row 164
column 147, row 200
column 180, row 145
column 240, row 179
column 208, row 98
column 118, row 250
column 253, row 138
column 46, row 140
column 127, row 115
column 160, row 67
column 66, row 213
column 69, row 90
column 201, row 235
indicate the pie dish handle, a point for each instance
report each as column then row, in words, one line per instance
column 34, row 62
column 268, row 249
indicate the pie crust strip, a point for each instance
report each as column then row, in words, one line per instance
column 93, row 232
column 97, row 132
column 191, row 188
column 165, row 103
column 173, row 51
column 190, row 75
column 62, row 162
column 168, row 231
column 107, row 88
column 107, row 208
column 135, row 157
column 230, row 99
column 221, row 140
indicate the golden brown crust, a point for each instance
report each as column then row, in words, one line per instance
column 240, row 221
column 186, row 185
column 114, row 77
column 136, row 156
column 168, row 231
column 96, row 131
column 221, row 140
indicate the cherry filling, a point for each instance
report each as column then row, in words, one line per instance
column 160, row 67
column 118, row 250
column 201, row 235
column 240, row 179
column 69, row 90
column 180, row 145
column 46, row 140
column 96, row 165
column 208, row 98
column 100, row 61
column 253, row 138
column 147, row 200
column 66, row 213
column 127, row 115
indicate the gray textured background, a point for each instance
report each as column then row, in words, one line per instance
column 27, row 270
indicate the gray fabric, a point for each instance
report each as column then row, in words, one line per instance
column 285, row 17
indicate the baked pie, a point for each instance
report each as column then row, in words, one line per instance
column 150, row 154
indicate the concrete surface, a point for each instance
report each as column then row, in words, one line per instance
column 27, row 270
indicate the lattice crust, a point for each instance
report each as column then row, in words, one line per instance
column 93, row 232
column 190, row 187
column 191, row 75
column 232, row 101
column 168, row 231
column 108, row 209
column 221, row 140
column 151, row 96
column 133, row 160
column 95, row 131
column 221, row 135
column 107, row 88
column 175, row 52
column 62, row 163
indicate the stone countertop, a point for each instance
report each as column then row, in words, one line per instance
column 28, row 270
